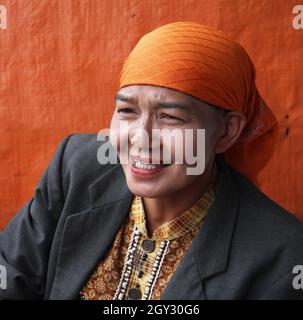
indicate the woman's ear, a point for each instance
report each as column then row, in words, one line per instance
column 233, row 125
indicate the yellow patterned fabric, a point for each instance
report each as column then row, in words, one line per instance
column 175, row 236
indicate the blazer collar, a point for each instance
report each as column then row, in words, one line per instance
column 214, row 239
column 88, row 236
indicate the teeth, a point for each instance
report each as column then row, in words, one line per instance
column 145, row 166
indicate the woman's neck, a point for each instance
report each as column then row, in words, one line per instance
column 162, row 209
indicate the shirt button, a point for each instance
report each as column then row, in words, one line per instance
column 148, row 245
column 135, row 294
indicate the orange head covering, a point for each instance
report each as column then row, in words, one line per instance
column 208, row 65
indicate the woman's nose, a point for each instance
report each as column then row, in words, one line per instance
column 142, row 134
column 141, row 139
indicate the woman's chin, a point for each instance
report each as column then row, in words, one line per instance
column 147, row 192
column 149, row 186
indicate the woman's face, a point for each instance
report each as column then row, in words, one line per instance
column 145, row 108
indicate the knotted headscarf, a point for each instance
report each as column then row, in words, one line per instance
column 208, row 65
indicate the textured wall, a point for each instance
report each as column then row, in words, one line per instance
column 59, row 65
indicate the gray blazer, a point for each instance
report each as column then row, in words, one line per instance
column 246, row 249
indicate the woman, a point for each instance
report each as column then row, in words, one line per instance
column 144, row 228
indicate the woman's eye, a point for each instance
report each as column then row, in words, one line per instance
column 168, row 117
column 125, row 110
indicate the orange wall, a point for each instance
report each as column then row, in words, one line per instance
column 59, row 65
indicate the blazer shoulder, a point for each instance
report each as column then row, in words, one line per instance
column 79, row 161
column 81, row 152
column 266, row 217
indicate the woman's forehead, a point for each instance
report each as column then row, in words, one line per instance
column 156, row 92
column 162, row 96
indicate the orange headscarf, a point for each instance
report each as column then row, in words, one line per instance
column 208, row 65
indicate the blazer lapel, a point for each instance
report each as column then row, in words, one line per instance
column 209, row 251
column 88, row 235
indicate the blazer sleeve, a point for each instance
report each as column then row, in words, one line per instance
column 26, row 241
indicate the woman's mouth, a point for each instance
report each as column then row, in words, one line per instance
column 146, row 169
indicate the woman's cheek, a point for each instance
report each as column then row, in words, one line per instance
column 119, row 131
